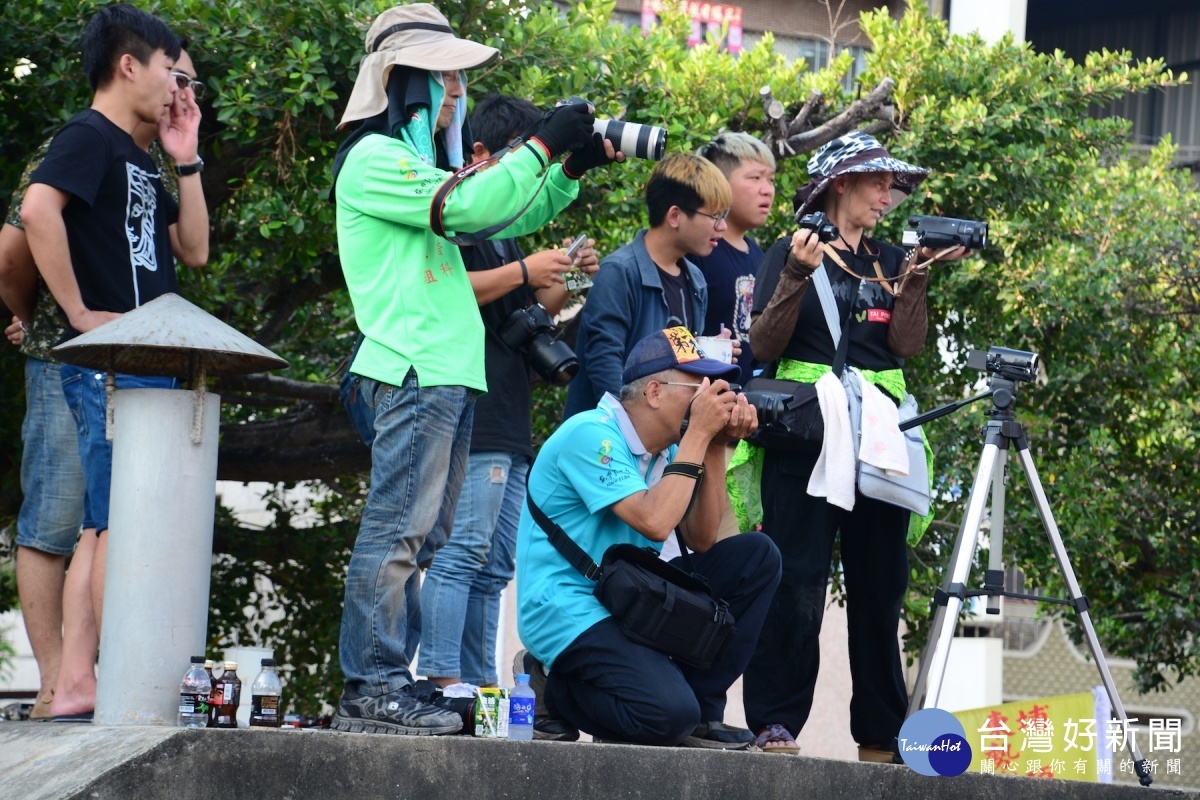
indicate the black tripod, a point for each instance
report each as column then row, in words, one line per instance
column 999, row 434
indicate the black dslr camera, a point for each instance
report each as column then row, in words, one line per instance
column 819, row 223
column 938, row 233
column 1015, row 365
column 768, row 405
column 531, row 330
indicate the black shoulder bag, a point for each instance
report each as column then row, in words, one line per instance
column 800, row 427
column 655, row 603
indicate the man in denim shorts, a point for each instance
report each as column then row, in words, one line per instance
column 51, row 477
column 98, row 229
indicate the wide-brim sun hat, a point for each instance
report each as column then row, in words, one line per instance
column 418, row 36
column 850, row 153
column 674, row 348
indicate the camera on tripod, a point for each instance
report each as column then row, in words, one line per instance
column 531, row 330
column 938, row 233
column 1015, row 365
column 819, row 224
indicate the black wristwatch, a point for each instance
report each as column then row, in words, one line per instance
column 183, row 170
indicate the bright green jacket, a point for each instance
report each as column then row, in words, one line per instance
column 412, row 299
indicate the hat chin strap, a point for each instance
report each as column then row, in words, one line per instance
column 408, row 26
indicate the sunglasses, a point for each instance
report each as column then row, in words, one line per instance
column 185, row 81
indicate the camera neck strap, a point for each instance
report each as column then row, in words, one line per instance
column 879, row 278
column 437, row 208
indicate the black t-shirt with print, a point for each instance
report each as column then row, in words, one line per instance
column 675, row 292
column 810, row 340
column 118, row 217
column 502, row 415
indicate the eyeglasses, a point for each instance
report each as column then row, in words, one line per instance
column 185, row 81
column 454, row 77
column 674, row 383
column 714, row 217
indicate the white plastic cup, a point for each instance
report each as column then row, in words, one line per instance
column 714, row 347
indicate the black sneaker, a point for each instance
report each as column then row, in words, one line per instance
column 396, row 712
column 545, row 727
column 719, row 736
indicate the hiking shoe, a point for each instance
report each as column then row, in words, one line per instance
column 395, row 712
column 719, row 736
column 545, row 727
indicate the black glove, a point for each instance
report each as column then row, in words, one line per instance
column 587, row 157
column 568, row 126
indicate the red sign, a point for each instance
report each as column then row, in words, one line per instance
column 701, row 14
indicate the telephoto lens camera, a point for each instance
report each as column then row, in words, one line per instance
column 632, row 139
column 531, row 330
column 1015, row 365
column 938, row 233
column 818, row 223
column 769, row 406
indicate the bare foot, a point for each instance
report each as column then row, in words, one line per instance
column 77, row 699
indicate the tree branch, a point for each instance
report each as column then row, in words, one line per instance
column 872, row 106
column 280, row 387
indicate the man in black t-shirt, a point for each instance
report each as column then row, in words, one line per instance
column 96, row 216
column 731, row 266
column 460, row 596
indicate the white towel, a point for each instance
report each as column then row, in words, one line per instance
column 833, row 476
column 881, row 443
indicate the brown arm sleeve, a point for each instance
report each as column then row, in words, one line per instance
column 771, row 330
column 910, row 316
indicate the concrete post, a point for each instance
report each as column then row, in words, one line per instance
column 159, row 552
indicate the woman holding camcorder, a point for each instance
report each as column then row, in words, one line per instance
column 880, row 319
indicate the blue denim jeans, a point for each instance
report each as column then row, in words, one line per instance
column 88, row 400
column 51, row 476
column 418, row 463
column 461, row 593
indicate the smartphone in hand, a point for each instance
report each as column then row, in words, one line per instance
column 577, row 280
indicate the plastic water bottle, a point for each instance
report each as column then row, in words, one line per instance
column 194, row 692
column 520, row 710
column 266, row 697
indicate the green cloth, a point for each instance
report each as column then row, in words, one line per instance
column 412, row 298
column 743, row 475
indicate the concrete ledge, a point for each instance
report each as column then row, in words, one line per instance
column 86, row 761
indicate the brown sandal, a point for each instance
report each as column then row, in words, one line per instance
column 41, row 706
column 776, row 739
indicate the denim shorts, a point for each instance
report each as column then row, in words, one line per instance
column 51, row 477
column 84, row 390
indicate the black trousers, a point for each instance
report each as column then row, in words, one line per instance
column 782, row 674
column 614, row 688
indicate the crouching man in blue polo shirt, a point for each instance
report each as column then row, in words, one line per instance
column 600, row 477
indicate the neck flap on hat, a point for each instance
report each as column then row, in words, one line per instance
column 408, row 117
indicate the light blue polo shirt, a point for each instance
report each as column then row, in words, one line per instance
column 593, row 461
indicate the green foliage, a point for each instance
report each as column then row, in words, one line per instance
column 1094, row 266
column 282, row 587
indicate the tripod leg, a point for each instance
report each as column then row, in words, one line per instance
column 1081, row 607
column 994, row 578
column 937, row 651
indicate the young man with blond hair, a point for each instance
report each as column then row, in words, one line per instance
column 649, row 284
